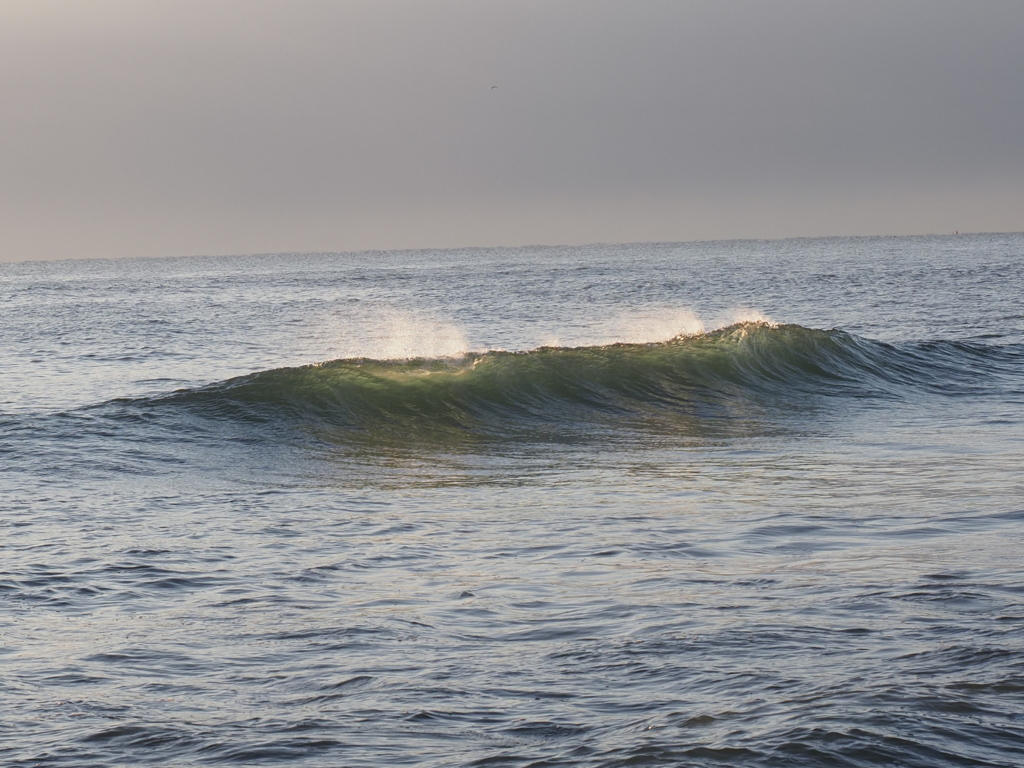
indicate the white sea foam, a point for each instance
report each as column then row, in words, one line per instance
column 748, row 315
column 388, row 333
column 651, row 325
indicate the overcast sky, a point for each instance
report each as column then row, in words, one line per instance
column 151, row 128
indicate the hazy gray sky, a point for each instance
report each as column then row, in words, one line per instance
column 240, row 126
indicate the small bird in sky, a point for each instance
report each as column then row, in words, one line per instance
column 493, row 87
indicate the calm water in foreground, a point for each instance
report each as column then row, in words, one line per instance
column 740, row 503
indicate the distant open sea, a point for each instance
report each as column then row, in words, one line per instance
column 753, row 503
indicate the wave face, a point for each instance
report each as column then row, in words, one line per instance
column 718, row 375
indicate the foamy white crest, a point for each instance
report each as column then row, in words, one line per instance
column 406, row 335
column 653, row 324
column 747, row 315
column 393, row 334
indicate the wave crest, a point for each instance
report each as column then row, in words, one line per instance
column 723, row 374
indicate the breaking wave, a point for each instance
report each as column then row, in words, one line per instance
column 717, row 375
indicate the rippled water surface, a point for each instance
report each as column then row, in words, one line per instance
column 748, row 503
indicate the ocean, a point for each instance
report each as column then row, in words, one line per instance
column 751, row 503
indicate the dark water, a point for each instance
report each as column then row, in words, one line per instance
column 750, row 503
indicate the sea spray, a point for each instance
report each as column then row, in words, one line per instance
column 707, row 376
